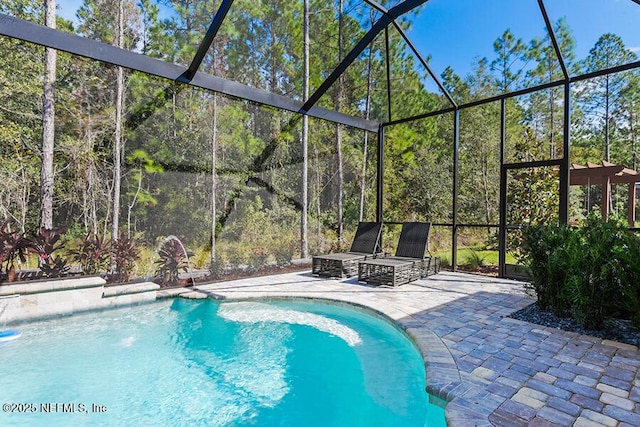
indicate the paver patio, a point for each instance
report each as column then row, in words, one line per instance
column 493, row 370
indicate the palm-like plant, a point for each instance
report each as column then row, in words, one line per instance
column 171, row 260
column 44, row 244
column 13, row 246
column 93, row 253
column 124, row 253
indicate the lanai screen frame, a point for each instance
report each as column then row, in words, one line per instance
column 70, row 43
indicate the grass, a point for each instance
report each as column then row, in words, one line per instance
column 474, row 255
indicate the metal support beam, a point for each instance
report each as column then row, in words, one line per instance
column 554, row 41
column 617, row 69
column 456, row 150
column 502, row 232
column 381, row 24
column 205, row 44
column 566, row 158
column 424, row 63
column 71, row 43
column 388, row 63
column 380, row 177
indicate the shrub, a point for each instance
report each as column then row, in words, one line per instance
column 216, row 268
column 258, row 258
column 550, row 256
column 631, row 287
column 284, row 254
column 589, row 272
column 14, row 246
column 93, row 253
column 171, row 260
column 124, row 253
column 237, row 257
column 44, row 244
column 476, row 259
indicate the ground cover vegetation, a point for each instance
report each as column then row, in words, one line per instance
column 136, row 158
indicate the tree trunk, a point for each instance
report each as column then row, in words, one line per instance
column 118, row 142
column 214, row 147
column 48, row 124
column 338, row 104
column 304, row 238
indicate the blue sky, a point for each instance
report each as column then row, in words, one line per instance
column 458, row 32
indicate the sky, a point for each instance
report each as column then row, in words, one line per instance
column 458, row 32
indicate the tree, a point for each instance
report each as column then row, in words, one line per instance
column 117, row 137
column 509, row 51
column 338, row 140
column 48, row 125
column 544, row 105
column 304, row 181
column 602, row 96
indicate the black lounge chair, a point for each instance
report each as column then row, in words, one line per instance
column 364, row 246
column 409, row 262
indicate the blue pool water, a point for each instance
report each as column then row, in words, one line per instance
column 205, row 363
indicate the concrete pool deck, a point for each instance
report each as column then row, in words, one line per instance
column 493, row 370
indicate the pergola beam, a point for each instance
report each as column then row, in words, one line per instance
column 71, row 43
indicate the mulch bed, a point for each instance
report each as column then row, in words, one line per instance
column 614, row 329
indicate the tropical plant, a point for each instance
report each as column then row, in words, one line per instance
column 44, row 244
column 13, row 247
column 171, row 260
column 124, row 254
column 93, row 253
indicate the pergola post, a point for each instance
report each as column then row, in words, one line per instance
column 632, row 204
column 606, row 196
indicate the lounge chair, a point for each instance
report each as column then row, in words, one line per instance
column 409, row 262
column 364, row 246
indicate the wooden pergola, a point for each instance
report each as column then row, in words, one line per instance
column 606, row 174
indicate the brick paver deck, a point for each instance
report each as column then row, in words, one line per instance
column 493, row 370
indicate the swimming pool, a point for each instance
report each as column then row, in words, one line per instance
column 190, row 363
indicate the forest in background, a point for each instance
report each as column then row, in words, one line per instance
column 134, row 154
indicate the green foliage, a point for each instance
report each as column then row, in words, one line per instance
column 14, row 246
column 44, row 244
column 172, row 259
column 216, row 268
column 124, row 254
column 588, row 272
column 476, row 259
column 93, row 253
column 258, row 258
column 284, row 254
